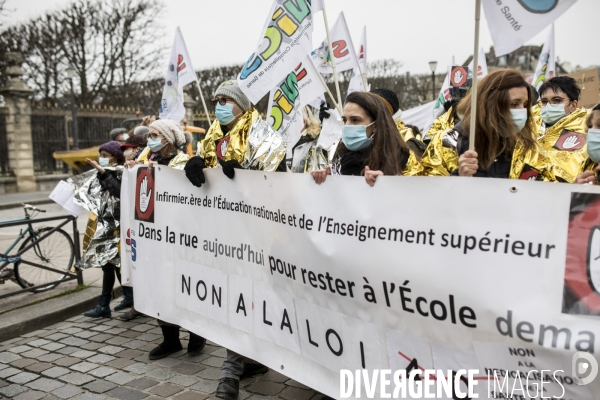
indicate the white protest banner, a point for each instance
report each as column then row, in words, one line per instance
column 180, row 72
column 438, row 107
column 513, row 22
column 331, row 132
column 314, row 279
column 357, row 81
column 286, row 40
column 546, row 67
column 127, row 242
column 342, row 49
column 418, row 116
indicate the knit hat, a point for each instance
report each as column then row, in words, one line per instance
column 134, row 141
column 141, row 130
column 389, row 98
column 116, row 132
column 114, row 148
column 231, row 90
column 171, row 131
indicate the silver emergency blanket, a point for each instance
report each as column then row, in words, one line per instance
column 308, row 157
column 104, row 245
column 265, row 147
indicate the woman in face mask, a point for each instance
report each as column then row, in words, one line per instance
column 109, row 175
column 590, row 175
column 371, row 145
column 166, row 142
column 505, row 144
column 133, row 146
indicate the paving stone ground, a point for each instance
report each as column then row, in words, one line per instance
column 97, row 359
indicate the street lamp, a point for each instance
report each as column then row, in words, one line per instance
column 71, row 74
column 433, row 66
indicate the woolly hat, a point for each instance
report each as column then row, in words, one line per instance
column 116, row 132
column 114, row 148
column 134, row 141
column 389, row 98
column 141, row 130
column 231, row 90
column 171, row 131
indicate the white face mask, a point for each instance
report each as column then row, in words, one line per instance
column 103, row 161
column 552, row 113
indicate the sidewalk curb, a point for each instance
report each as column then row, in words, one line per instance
column 18, row 204
column 24, row 320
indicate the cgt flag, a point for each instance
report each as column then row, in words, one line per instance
column 285, row 41
column 299, row 88
column 513, row 22
column 180, row 72
column 546, row 67
column 342, row 49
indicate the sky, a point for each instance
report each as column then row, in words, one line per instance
column 225, row 32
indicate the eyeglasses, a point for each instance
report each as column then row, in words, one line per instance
column 221, row 100
column 553, row 101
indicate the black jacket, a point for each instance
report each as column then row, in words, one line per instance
column 354, row 162
column 500, row 168
column 111, row 181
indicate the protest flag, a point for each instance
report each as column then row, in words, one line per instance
column 546, row 67
column 180, row 72
column 285, row 40
column 513, row 22
column 359, row 76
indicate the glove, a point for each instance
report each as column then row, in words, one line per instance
column 229, row 167
column 323, row 111
column 194, row 171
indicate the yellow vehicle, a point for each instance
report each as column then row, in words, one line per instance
column 76, row 158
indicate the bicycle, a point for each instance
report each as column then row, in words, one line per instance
column 48, row 259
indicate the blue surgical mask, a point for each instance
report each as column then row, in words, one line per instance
column 552, row 113
column 103, row 161
column 224, row 113
column 355, row 137
column 593, row 144
column 155, row 144
column 519, row 117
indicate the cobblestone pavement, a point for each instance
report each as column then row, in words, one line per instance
column 89, row 359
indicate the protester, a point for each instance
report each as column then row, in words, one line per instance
column 225, row 144
column 505, row 135
column 590, row 175
column 563, row 129
column 133, row 147
column 119, row 134
column 110, row 155
column 141, row 130
column 371, row 145
column 165, row 146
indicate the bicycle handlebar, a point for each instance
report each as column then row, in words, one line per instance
column 32, row 208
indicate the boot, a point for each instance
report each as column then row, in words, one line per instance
column 129, row 315
column 127, row 299
column 228, row 389
column 102, row 310
column 170, row 344
column 253, row 369
column 196, row 343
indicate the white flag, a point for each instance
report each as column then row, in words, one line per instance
column 546, row 67
column 357, row 82
column 513, row 22
column 418, row 116
column 482, row 69
column 285, row 41
column 342, row 49
column 299, row 88
column 444, row 96
column 180, row 72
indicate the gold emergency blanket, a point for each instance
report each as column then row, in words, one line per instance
column 177, row 162
column 441, row 124
column 103, row 246
column 566, row 146
column 265, row 148
column 405, row 132
column 236, row 150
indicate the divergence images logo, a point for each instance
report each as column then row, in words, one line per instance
column 539, row 6
column 585, row 368
column 144, row 201
column 131, row 243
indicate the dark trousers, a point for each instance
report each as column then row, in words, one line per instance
column 108, row 282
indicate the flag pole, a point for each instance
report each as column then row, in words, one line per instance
column 474, row 75
column 335, row 104
column 202, row 98
column 335, row 75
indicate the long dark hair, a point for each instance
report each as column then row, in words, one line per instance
column 388, row 152
column 495, row 131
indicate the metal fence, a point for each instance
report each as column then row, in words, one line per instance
column 4, row 167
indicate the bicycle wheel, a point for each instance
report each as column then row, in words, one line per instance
column 56, row 251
